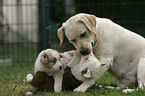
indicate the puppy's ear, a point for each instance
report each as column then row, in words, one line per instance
column 86, row 73
column 90, row 22
column 60, row 34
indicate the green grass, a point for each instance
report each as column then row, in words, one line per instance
column 13, row 83
column 18, row 53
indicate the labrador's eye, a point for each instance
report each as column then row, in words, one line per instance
column 83, row 35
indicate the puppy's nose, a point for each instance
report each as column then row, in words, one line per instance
column 60, row 67
column 85, row 51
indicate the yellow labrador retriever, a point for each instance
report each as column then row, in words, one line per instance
column 122, row 49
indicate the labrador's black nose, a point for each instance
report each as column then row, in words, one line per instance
column 85, row 51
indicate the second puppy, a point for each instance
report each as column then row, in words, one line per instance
column 86, row 69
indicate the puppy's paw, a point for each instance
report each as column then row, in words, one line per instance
column 29, row 77
column 127, row 90
column 57, row 90
column 29, row 93
column 79, row 90
column 110, row 87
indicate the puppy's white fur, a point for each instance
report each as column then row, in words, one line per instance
column 66, row 57
column 87, row 69
column 122, row 49
column 40, row 67
column 54, row 70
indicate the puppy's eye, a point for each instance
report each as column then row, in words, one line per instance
column 83, row 35
column 45, row 56
column 53, row 60
column 84, row 71
column 74, row 40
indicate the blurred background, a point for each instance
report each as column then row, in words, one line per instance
column 29, row 26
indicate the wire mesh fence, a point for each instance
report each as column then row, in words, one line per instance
column 18, row 30
column 29, row 26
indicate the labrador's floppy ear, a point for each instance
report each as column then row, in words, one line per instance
column 90, row 22
column 60, row 34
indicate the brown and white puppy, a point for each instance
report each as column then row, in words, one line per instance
column 122, row 49
column 48, row 61
column 53, row 64
column 41, row 81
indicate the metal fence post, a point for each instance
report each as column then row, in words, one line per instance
column 43, row 22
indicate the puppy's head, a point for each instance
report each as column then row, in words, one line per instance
column 50, row 59
column 80, row 30
column 90, row 67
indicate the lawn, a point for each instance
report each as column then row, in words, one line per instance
column 13, row 83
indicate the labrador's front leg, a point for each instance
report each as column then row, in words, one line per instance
column 85, row 85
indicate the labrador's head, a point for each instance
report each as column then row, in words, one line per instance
column 80, row 31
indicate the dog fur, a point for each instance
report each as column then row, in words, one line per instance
column 48, row 61
column 41, row 81
column 49, row 68
column 123, row 50
column 85, row 68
